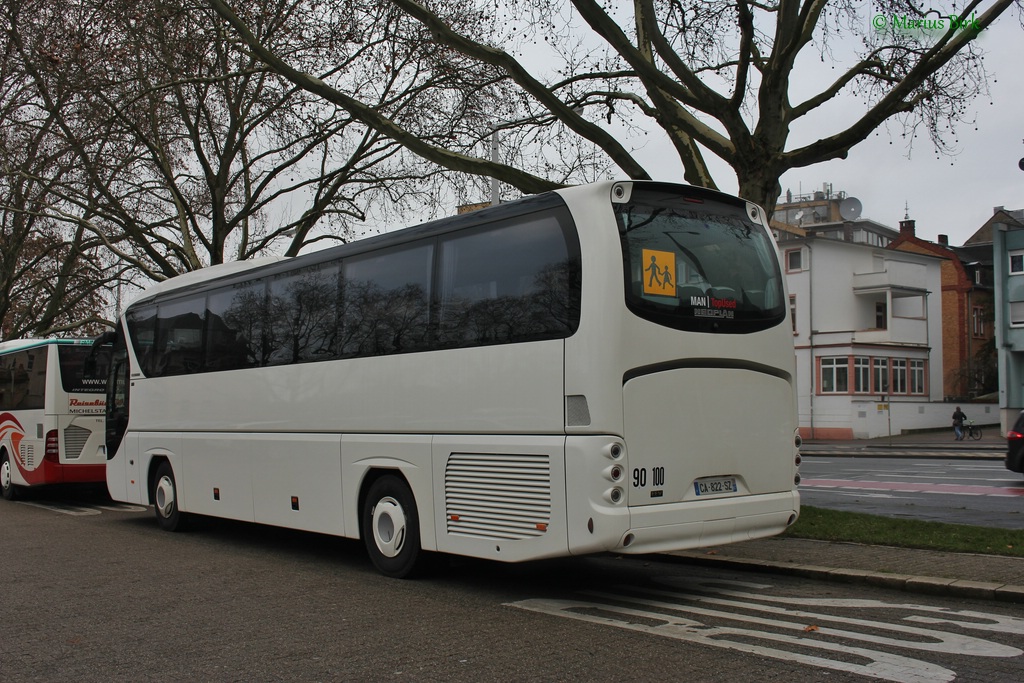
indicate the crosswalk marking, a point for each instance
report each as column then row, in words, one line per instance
column 757, row 619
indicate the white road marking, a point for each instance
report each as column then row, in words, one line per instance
column 778, row 626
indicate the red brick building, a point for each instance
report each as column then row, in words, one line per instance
column 967, row 310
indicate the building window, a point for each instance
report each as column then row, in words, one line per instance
column 794, row 260
column 862, row 375
column 881, row 315
column 978, row 321
column 1016, row 262
column 792, row 311
column 835, row 375
column 917, row 376
column 1016, row 313
column 899, row 376
column 881, row 375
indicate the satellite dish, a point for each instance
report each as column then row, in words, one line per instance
column 850, row 209
column 798, row 215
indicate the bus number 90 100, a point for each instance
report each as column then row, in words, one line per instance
column 640, row 477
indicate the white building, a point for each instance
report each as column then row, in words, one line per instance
column 868, row 333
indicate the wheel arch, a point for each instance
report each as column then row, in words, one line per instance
column 154, row 465
column 365, row 458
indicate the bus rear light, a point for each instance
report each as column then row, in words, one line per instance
column 613, row 496
column 52, row 447
column 542, row 527
column 613, row 473
column 798, row 460
column 613, row 451
column 796, row 479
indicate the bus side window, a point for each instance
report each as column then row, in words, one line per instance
column 24, row 380
column 179, row 342
column 234, row 327
column 517, row 282
column 386, row 301
column 301, row 316
column 142, row 333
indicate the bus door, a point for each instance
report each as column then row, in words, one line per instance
column 116, row 415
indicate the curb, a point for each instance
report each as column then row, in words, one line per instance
column 963, row 588
column 909, row 452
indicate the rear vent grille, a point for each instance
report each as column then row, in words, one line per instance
column 74, row 441
column 497, row 496
column 28, row 455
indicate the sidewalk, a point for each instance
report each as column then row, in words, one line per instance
column 920, row 571
column 991, row 445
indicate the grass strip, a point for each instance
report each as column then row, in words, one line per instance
column 855, row 527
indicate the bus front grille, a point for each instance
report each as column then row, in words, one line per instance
column 75, row 439
column 497, row 496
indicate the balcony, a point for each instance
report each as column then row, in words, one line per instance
column 902, row 279
column 901, row 331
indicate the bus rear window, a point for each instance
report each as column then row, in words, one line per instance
column 700, row 266
column 83, row 370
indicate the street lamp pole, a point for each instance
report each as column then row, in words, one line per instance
column 495, row 157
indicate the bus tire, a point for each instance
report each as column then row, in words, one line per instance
column 391, row 529
column 165, row 499
column 7, row 487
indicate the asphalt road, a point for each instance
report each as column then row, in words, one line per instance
column 959, row 491
column 93, row 591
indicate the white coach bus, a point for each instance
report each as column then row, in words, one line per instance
column 602, row 368
column 51, row 414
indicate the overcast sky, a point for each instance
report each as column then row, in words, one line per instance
column 953, row 196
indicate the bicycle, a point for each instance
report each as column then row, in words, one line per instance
column 970, row 431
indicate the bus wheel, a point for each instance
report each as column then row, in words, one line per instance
column 391, row 529
column 7, row 487
column 165, row 499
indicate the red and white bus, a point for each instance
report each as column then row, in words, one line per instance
column 52, row 401
column 602, row 368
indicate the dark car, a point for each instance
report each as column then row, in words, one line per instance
column 1015, row 446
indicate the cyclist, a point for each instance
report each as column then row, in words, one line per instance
column 958, row 424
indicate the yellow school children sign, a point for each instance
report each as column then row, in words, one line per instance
column 659, row 272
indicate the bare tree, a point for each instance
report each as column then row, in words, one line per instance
column 53, row 275
column 192, row 152
column 714, row 76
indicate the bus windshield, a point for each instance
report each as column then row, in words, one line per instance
column 698, row 263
